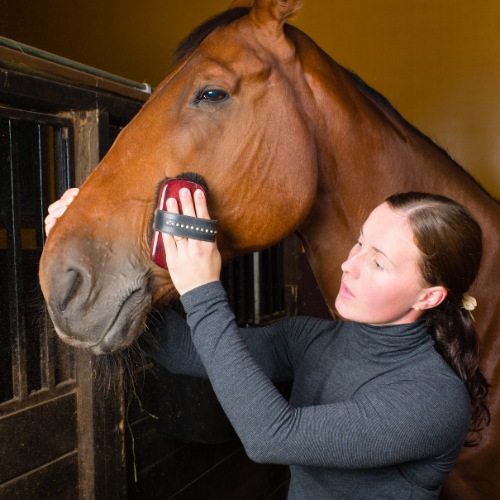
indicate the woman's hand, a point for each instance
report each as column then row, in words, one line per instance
column 191, row 263
column 59, row 207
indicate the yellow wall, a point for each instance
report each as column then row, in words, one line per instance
column 438, row 61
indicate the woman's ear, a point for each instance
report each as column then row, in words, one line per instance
column 431, row 297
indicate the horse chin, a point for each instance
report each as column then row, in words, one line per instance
column 126, row 327
column 118, row 339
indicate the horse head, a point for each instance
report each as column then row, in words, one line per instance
column 234, row 111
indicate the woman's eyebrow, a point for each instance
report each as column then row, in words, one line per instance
column 378, row 250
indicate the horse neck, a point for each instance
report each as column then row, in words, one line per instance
column 365, row 154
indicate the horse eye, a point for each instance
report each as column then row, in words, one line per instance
column 212, row 95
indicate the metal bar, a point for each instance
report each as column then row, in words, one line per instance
column 67, row 144
column 43, row 186
column 62, row 161
column 47, row 358
column 269, row 285
column 16, row 308
column 257, row 288
column 278, row 277
column 246, row 289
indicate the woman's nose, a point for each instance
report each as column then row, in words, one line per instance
column 351, row 266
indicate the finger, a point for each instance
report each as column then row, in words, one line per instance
column 172, row 206
column 59, row 211
column 187, row 202
column 170, row 248
column 49, row 225
column 54, row 214
column 200, row 203
column 56, row 205
column 63, row 203
column 68, row 196
column 70, row 193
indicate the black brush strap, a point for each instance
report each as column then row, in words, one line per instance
column 185, row 226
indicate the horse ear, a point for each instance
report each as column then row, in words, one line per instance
column 276, row 12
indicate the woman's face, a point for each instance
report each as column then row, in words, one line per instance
column 381, row 281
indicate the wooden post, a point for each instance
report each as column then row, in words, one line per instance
column 101, row 439
column 100, row 408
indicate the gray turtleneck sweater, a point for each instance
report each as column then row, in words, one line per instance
column 374, row 412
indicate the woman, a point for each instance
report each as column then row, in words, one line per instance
column 382, row 402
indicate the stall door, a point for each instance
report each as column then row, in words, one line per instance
column 38, row 426
column 61, row 434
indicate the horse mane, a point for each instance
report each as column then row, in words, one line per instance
column 187, row 46
column 385, row 104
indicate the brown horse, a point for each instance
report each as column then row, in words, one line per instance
column 287, row 140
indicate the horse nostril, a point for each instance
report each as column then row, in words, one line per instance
column 71, row 285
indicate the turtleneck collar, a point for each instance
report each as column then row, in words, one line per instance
column 392, row 340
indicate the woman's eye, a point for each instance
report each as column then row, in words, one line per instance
column 212, row 95
column 378, row 266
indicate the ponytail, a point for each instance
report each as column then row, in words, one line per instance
column 452, row 328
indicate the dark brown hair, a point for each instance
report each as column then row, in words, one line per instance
column 450, row 242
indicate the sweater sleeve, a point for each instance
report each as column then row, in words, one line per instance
column 174, row 350
column 392, row 425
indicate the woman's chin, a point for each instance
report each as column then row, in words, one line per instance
column 342, row 308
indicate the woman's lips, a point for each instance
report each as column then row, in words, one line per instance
column 345, row 292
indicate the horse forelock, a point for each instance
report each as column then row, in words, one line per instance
column 187, row 46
